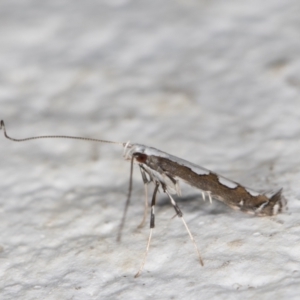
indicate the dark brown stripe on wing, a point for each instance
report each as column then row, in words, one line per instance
column 237, row 197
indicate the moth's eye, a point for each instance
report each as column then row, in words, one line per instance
column 140, row 157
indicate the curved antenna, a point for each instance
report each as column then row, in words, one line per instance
column 2, row 125
column 125, row 145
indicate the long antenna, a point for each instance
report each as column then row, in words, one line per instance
column 125, row 145
column 2, row 125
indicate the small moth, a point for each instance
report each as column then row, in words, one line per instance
column 165, row 171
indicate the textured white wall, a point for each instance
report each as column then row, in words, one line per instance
column 214, row 82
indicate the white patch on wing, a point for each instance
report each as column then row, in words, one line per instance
column 275, row 209
column 150, row 151
column 197, row 169
column 261, row 207
column 224, row 181
column 252, row 193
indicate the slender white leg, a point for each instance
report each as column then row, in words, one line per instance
column 209, row 196
column 145, row 256
column 152, row 225
column 179, row 214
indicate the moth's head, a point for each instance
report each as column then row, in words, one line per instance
column 135, row 151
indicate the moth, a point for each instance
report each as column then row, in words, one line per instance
column 166, row 171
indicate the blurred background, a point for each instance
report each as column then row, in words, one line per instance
column 214, row 82
column 118, row 63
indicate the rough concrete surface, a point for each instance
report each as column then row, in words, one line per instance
column 214, row 82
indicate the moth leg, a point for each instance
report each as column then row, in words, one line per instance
column 208, row 193
column 152, row 225
column 146, row 182
column 180, row 215
column 209, row 196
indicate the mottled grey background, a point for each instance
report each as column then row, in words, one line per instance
column 214, row 82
